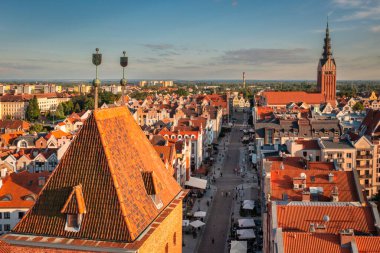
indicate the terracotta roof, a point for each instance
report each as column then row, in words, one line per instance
column 285, row 97
column 370, row 122
column 107, row 158
column 282, row 182
column 368, row 244
column 19, row 186
column 309, row 144
column 312, row 243
column 358, row 218
column 9, row 138
column 14, row 124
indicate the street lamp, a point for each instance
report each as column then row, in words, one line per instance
column 123, row 81
column 96, row 60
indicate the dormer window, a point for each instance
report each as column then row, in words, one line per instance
column 74, row 209
column 152, row 188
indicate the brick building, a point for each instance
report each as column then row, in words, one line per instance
column 110, row 193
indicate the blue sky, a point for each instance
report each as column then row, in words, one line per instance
column 188, row 39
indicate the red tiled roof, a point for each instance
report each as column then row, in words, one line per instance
column 308, row 144
column 368, row 244
column 358, row 218
column 19, row 186
column 107, row 158
column 14, row 124
column 312, row 243
column 282, row 182
column 285, row 97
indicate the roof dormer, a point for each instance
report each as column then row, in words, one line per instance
column 151, row 187
column 74, row 209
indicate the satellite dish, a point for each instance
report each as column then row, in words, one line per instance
column 326, row 218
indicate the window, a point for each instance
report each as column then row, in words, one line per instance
column 21, row 214
column 167, row 248
column 1, row 227
column 1, row 215
column 7, row 215
column 348, row 155
column 175, row 238
column 304, row 153
column 340, row 155
column 349, row 166
column 72, row 221
column 7, row 227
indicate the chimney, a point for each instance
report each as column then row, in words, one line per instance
column 306, row 197
column 335, row 194
column 1, row 183
column 312, row 228
column 346, row 237
column 41, row 181
column 331, row 177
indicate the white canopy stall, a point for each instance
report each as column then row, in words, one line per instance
column 196, row 183
column 238, row 247
column 245, row 234
column 246, row 223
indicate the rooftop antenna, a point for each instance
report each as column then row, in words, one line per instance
column 96, row 60
column 243, row 80
column 123, row 81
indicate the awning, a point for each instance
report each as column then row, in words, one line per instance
column 200, row 214
column 245, row 233
column 196, row 183
column 246, row 223
column 248, row 204
column 197, row 223
column 238, row 247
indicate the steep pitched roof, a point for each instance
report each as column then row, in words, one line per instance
column 107, row 158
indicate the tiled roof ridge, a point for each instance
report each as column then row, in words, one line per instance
column 114, row 177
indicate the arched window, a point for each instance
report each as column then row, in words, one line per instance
column 175, row 238
column 167, row 248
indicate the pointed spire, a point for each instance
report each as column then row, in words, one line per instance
column 327, row 53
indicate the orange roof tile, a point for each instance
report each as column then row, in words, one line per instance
column 312, row 243
column 358, row 218
column 368, row 244
column 107, row 158
column 19, row 186
column 285, row 97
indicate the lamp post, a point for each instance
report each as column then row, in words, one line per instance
column 123, row 81
column 96, row 60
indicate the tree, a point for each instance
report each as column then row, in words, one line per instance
column 33, row 111
column 89, row 104
column 358, row 107
column 36, row 128
column 77, row 108
column 59, row 113
column 182, row 92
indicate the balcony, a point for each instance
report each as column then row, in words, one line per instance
column 364, row 167
column 365, row 176
column 364, row 157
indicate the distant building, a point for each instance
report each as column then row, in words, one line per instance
column 162, row 83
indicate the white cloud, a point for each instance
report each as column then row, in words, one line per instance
column 375, row 29
column 364, row 13
column 349, row 3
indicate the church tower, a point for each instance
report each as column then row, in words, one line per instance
column 326, row 80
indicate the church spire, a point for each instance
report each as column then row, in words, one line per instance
column 327, row 53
